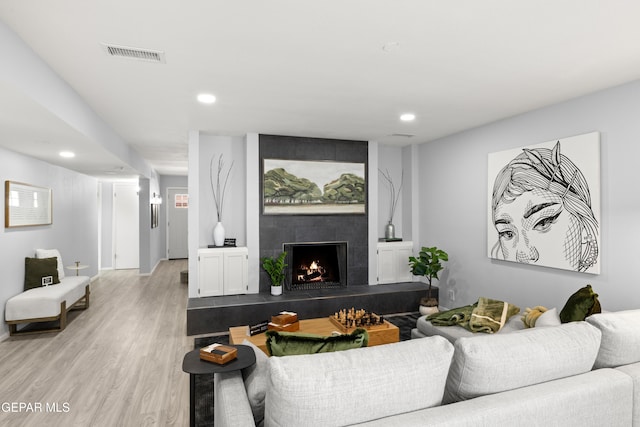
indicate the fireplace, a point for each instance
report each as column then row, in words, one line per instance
column 316, row 265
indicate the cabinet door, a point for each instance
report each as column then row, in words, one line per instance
column 236, row 275
column 402, row 269
column 210, row 273
column 386, row 264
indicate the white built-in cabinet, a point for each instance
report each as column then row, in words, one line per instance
column 223, row 271
column 393, row 262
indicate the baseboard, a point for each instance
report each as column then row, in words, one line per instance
column 4, row 336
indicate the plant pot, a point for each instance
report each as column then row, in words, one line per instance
column 428, row 306
column 425, row 311
column 276, row 290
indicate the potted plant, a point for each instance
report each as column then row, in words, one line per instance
column 275, row 269
column 428, row 264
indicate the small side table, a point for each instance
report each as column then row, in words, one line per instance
column 77, row 267
column 193, row 365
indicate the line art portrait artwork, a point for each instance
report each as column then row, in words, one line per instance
column 544, row 204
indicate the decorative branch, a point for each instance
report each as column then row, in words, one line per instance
column 394, row 195
column 218, row 190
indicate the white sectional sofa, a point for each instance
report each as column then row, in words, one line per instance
column 48, row 303
column 576, row 374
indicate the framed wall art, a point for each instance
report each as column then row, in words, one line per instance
column 305, row 187
column 544, row 204
column 26, row 205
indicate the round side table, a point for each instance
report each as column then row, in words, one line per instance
column 77, row 267
column 193, row 365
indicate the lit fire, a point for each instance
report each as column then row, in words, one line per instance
column 312, row 273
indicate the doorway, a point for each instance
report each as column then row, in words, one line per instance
column 177, row 218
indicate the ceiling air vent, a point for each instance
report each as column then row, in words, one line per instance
column 403, row 135
column 134, row 53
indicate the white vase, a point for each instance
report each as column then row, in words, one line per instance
column 276, row 290
column 218, row 234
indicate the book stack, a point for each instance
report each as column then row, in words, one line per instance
column 285, row 321
column 218, row 353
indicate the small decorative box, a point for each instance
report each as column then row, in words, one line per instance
column 218, row 353
column 291, row 327
column 284, row 318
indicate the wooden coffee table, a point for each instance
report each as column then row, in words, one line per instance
column 320, row 326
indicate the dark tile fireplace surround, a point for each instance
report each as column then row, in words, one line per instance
column 217, row 314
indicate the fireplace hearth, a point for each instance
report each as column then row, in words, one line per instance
column 316, row 265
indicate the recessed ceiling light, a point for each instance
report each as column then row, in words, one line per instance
column 408, row 117
column 67, row 154
column 206, row 98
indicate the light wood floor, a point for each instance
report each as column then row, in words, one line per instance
column 119, row 363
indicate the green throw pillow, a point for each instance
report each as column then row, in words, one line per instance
column 290, row 343
column 37, row 269
column 581, row 304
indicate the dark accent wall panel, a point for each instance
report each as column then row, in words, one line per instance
column 278, row 229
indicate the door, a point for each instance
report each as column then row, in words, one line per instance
column 177, row 208
column 126, row 226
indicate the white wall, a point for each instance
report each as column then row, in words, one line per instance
column 233, row 214
column 390, row 160
column 106, row 225
column 30, row 75
column 202, row 210
column 75, row 221
column 151, row 243
column 453, row 208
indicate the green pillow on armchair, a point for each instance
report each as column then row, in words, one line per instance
column 291, row 343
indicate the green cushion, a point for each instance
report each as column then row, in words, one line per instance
column 35, row 269
column 290, row 343
column 584, row 302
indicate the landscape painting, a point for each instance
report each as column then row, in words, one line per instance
column 304, row 187
column 544, row 204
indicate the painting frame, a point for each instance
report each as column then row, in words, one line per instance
column 17, row 213
column 313, row 187
column 544, row 204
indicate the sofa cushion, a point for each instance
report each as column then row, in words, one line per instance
column 580, row 304
column 322, row 389
column 620, row 337
column 36, row 270
column 548, row 318
column 495, row 363
column 290, row 343
column 633, row 371
column 49, row 253
column 255, row 382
